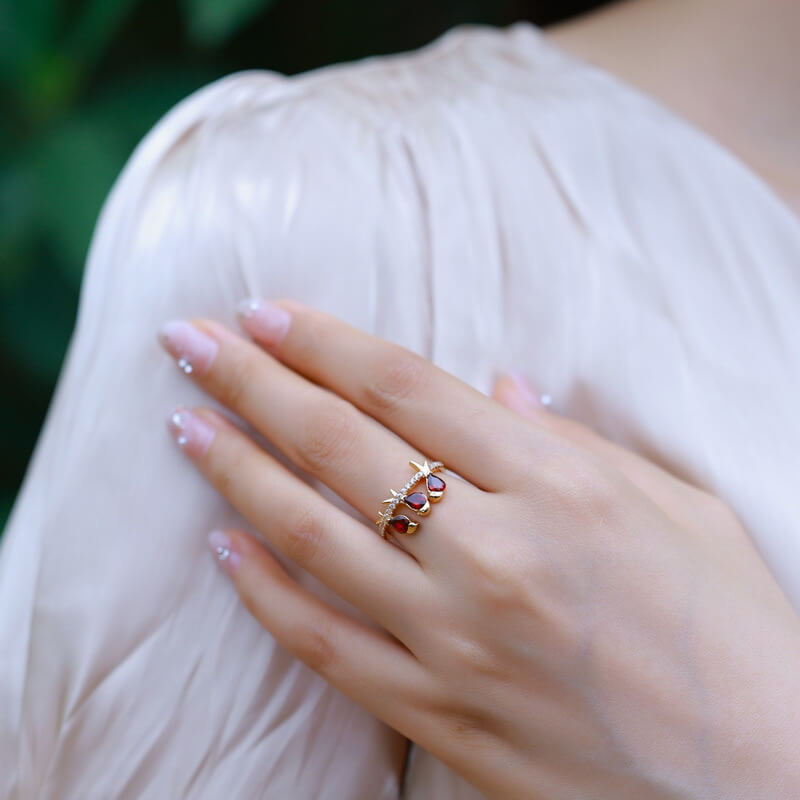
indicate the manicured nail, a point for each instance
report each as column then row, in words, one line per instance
column 264, row 321
column 223, row 549
column 527, row 391
column 193, row 349
column 192, row 433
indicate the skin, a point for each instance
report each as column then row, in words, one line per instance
column 729, row 67
column 569, row 621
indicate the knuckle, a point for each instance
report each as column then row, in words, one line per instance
column 329, row 437
column 575, row 484
column 498, row 576
column 303, row 537
column 402, row 375
column 475, row 657
column 500, row 567
column 466, row 725
column 314, row 646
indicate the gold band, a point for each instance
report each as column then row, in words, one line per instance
column 418, row 502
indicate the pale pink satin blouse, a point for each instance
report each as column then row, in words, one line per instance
column 489, row 202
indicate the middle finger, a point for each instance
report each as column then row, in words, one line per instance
column 323, row 434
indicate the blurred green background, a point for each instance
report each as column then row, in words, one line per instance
column 80, row 84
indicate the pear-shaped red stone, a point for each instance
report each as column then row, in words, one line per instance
column 400, row 523
column 436, row 485
column 416, row 500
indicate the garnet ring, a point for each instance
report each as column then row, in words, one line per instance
column 417, row 500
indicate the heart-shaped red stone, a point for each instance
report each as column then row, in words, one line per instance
column 401, row 524
column 416, row 500
column 436, row 486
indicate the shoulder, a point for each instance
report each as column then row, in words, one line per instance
column 469, row 69
column 266, row 151
column 387, row 169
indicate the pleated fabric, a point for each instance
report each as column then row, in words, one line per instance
column 487, row 201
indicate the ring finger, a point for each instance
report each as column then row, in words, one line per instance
column 300, row 523
column 320, row 432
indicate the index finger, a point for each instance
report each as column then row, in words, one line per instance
column 429, row 408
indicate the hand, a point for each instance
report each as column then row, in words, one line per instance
column 570, row 621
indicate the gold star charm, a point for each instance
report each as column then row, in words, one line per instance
column 434, row 484
column 425, row 468
column 390, row 499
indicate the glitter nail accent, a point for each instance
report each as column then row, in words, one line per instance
column 185, row 365
column 247, row 308
column 179, row 423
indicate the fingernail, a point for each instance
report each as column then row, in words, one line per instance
column 192, row 433
column 224, row 552
column 527, row 391
column 193, row 349
column 264, row 321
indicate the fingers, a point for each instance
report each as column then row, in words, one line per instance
column 322, row 433
column 300, row 523
column 675, row 497
column 429, row 408
column 366, row 665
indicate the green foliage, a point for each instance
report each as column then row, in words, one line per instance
column 73, row 112
column 81, row 81
column 212, row 22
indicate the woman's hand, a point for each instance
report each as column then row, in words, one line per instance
column 570, row 621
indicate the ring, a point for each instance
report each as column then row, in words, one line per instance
column 419, row 502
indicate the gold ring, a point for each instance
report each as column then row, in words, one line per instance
column 418, row 502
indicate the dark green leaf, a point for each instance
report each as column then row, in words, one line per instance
column 36, row 323
column 27, row 30
column 66, row 174
column 97, row 23
column 72, row 170
column 17, row 225
column 212, row 22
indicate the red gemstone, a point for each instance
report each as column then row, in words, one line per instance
column 436, row 485
column 400, row 523
column 416, row 500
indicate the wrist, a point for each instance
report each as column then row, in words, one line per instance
column 753, row 731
